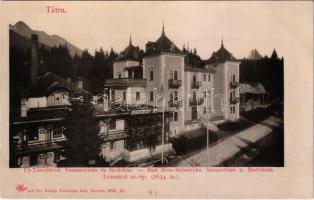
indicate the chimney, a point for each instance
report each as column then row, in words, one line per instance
column 34, row 60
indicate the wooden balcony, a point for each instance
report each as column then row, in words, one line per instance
column 196, row 84
column 174, row 83
column 113, row 136
column 144, row 131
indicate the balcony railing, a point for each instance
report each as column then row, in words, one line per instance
column 144, row 131
column 234, row 84
column 194, row 101
column 196, row 84
column 125, row 82
column 234, row 100
column 113, row 136
column 175, row 104
column 174, row 83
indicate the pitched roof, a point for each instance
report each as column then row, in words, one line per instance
column 49, row 82
column 252, row 88
column 222, row 55
column 163, row 44
column 131, row 52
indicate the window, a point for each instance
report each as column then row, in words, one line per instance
column 171, row 74
column 233, row 77
column 111, row 146
column 194, row 78
column 204, row 77
column 112, row 124
column 33, row 134
column 137, row 96
column 124, row 95
column 57, row 132
column 232, row 93
column 42, row 130
column 208, row 92
column 204, row 110
column 175, row 116
column 208, row 77
column 151, row 75
column 57, row 157
column 194, row 94
column 171, row 96
column 151, row 98
column 175, row 75
column 113, row 94
column 232, row 109
column 205, row 94
column 33, row 160
column 175, row 95
column 119, row 75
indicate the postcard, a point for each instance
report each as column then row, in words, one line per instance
column 151, row 99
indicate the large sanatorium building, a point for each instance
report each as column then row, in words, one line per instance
column 179, row 91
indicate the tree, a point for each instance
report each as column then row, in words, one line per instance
column 81, row 130
column 98, row 71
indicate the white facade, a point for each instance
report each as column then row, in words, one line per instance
column 166, row 67
column 226, row 90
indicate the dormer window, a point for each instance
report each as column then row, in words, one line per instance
column 172, row 47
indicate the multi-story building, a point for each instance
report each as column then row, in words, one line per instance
column 128, row 83
column 226, row 84
column 194, row 90
column 163, row 67
column 199, row 95
column 152, row 96
column 133, row 135
column 136, row 110
column 36, row 138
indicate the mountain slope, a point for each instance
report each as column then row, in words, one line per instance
column 50, row 40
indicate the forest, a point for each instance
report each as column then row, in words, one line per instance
column 93, row 69
column 267, row 70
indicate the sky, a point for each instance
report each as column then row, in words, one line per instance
column 243, row 25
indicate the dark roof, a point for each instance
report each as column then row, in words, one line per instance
column 131, row 52
column 253, row 88
column 163, row 44
column 47, row 83
column 222, row 55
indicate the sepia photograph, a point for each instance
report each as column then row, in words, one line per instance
column 156, row 99
column 158, row 102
